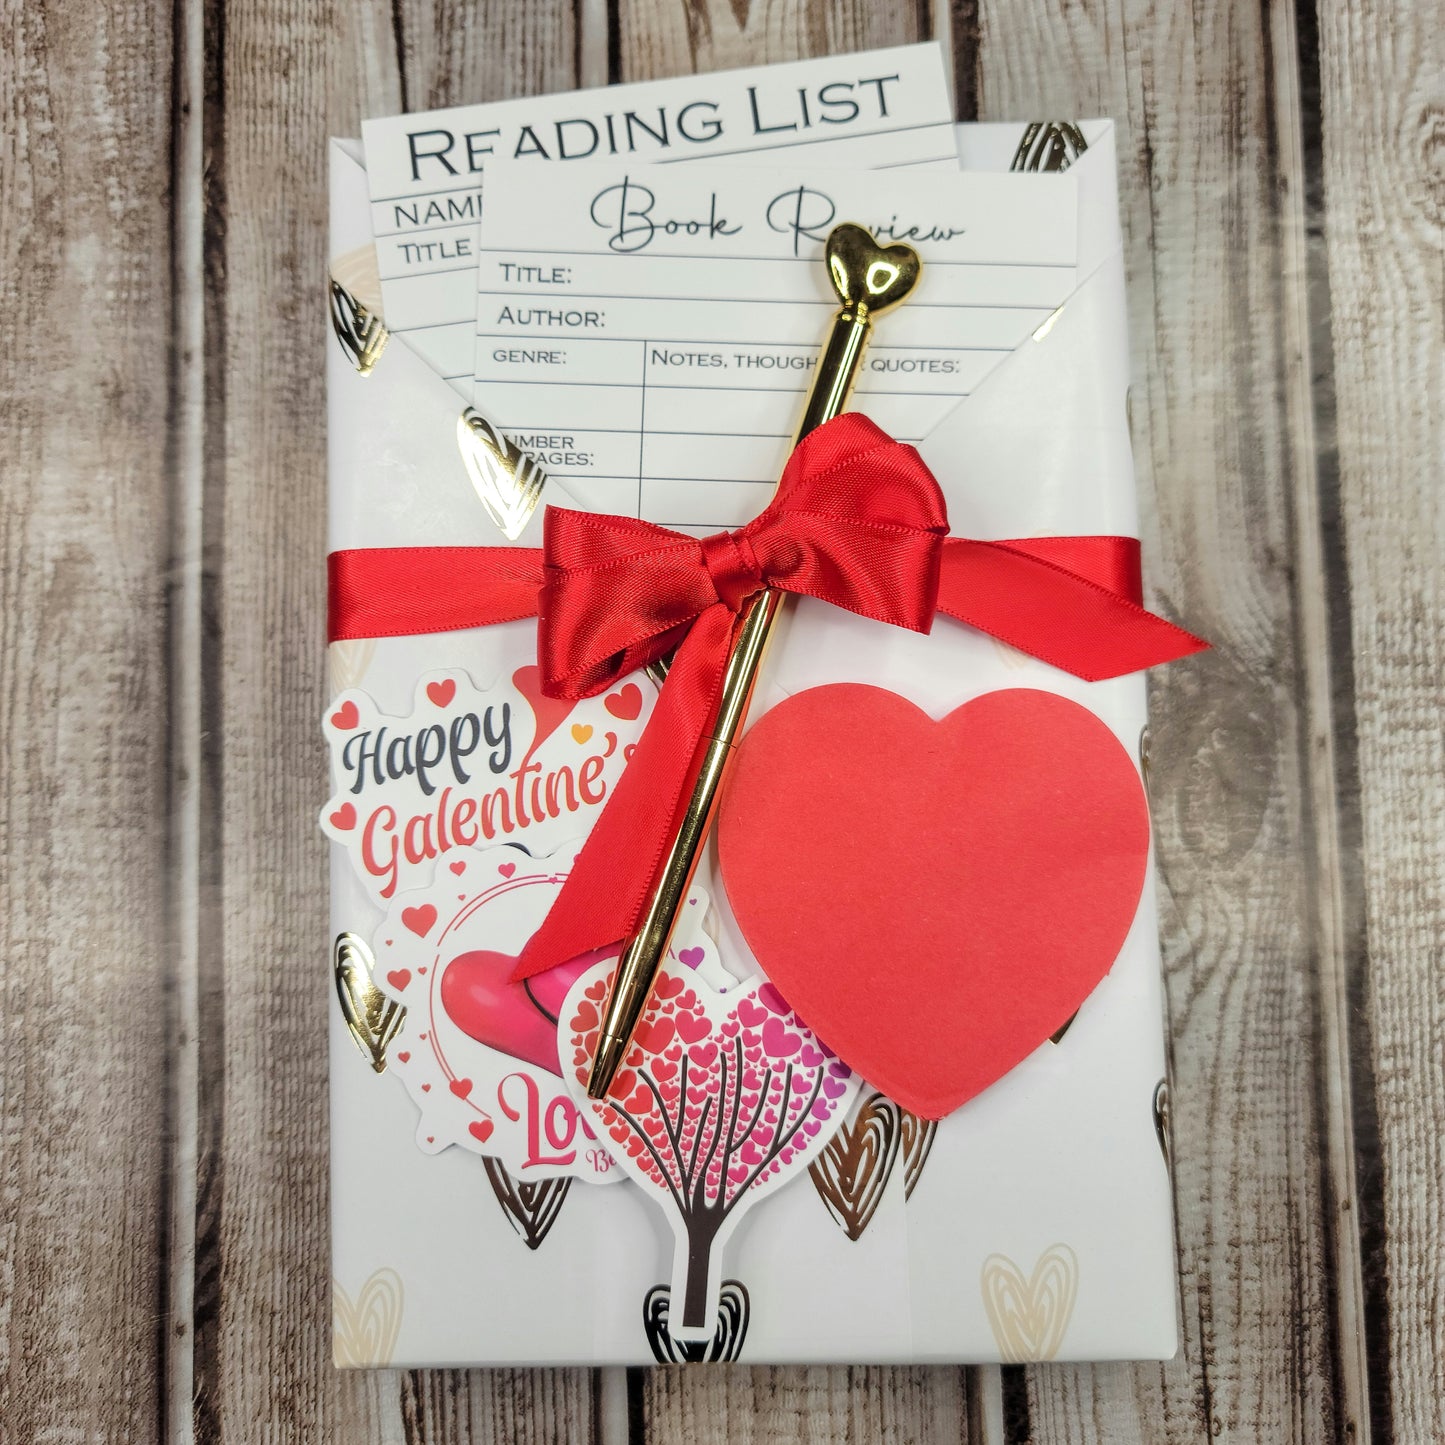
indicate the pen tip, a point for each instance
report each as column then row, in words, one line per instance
column 609, row 1053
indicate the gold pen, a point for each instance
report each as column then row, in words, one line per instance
column 868, row 280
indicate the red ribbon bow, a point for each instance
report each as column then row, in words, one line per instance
column 858, row 521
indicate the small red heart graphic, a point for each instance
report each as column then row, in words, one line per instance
column 344, row 817
column 625, row 703
column 550, row 712
column 398, row 978
column 480, row 1130
column 461, row 1087
column 693, row 1027
column 506, row 869
column 655, row 1034
column 458, row 868
column 405, row 1058
column 419, row 919
column 1027, row 836
column 441, row 693
column 346, row 716
column 426, row 1088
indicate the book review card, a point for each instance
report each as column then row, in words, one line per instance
column 881, row 108
column 650, row 334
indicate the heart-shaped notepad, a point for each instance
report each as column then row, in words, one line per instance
column 934, row 898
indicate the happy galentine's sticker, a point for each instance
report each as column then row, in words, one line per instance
column 720, row 1099
column 482, row 1059
column 468, row 768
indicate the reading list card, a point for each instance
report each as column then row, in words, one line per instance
column 880, row 108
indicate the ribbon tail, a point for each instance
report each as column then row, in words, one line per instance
column 603, row 899
column 400, row 591
column 1042, row 608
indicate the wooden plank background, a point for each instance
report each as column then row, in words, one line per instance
column 163, row 1270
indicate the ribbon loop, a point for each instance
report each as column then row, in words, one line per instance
column 858, row 521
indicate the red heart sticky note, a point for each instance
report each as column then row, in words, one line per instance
column 625, row 703
column 441, row 693
column 1019, row 836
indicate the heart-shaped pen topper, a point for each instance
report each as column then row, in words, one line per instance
column 867, row 276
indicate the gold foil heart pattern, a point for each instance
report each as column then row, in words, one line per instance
column 1049, row 145
column 361, row 332
column 917, row 1136
column 364, row 1330
column 506, row 479
column 852, row 1173
column 348, row 661
column 1029, row 1317
column 372, row 1019
column 726, row 1345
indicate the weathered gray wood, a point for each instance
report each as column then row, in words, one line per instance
column 1218, row 410
column 161, row 673
column 284, row 77
column 1381, row 68
column 84, row 313
column 823, row 1405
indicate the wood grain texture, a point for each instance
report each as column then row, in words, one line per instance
column 817, row 1405
column 84, row 545
column 1199, row 97
column 286, row 74
column 164, row 1260
column 1382, row 80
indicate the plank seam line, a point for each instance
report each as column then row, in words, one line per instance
column 185, row 447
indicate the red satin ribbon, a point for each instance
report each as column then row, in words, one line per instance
column 858, row 521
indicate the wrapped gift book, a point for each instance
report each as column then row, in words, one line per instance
column 743, row 939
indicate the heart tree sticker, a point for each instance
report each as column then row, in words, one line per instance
column 721, row 1099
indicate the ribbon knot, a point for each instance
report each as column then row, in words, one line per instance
column 858, row 521
column 733, row 566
